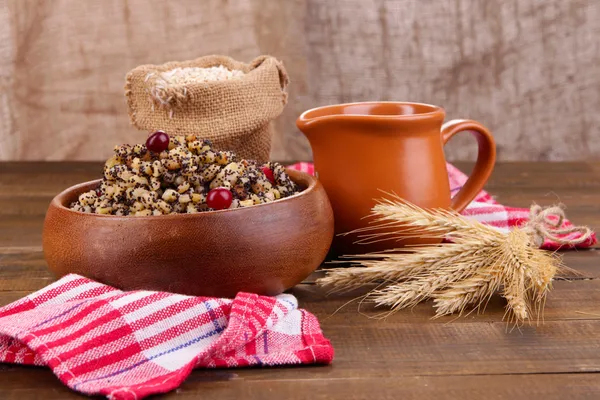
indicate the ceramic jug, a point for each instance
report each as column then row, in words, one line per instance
column 361, row 150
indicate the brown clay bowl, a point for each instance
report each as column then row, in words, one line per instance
column 262, row 249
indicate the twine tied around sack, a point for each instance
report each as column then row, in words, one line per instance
column 547, row 223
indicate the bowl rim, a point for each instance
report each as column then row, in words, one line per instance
column 295, row 175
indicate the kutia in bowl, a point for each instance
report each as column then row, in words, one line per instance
column 175, row 215
column 181, row 174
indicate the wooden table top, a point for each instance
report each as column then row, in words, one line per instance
column 405, row 356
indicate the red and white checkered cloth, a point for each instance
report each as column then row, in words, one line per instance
column 487, row 210
column 128, row 345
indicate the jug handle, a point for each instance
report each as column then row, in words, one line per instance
column 486, row 157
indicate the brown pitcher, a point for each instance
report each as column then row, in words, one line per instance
column 362, row 149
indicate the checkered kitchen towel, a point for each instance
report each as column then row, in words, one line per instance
column 487, row 210
column 128, row 345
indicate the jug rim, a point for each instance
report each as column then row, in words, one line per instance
column 432, row 111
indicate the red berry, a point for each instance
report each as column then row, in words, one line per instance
column 269, row 174
column 219, row 198
column 157, row 142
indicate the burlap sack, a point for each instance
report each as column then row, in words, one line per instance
column 234, row 114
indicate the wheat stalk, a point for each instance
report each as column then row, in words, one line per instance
column 396, row 267
column 414, row 221
column 479, row 262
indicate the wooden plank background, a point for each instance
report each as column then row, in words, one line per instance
column 525, row 68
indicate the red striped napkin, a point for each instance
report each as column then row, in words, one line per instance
column 487, row 210
column 128, row 345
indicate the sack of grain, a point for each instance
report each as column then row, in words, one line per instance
column 215, row 97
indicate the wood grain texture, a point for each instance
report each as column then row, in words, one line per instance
column 321, row 385
column 406, row 356
column 525, row 68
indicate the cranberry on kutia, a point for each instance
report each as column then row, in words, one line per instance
column 219, row 198
column 157, row 142
column 269, row 174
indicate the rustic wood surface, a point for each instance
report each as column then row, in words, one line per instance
column 406, row 356
column 525, row 68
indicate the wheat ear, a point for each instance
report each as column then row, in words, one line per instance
column 474, row 292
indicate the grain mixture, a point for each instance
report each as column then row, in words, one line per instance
column 185, row 175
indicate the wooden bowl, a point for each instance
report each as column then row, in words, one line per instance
column 262, row 249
